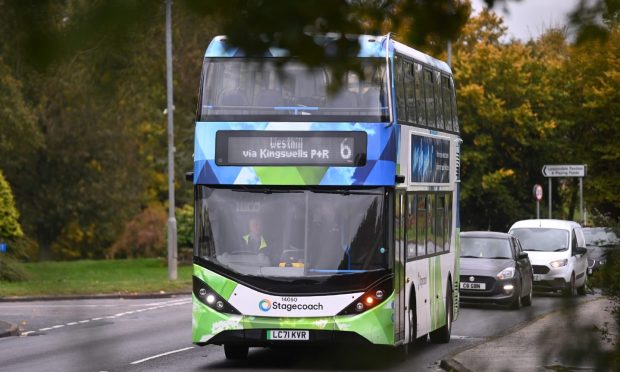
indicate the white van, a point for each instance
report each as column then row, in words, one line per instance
column 556, row 249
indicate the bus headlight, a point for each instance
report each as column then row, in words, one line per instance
column 211, row 298
column 370, row 299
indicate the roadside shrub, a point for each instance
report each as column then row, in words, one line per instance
column 185, row 226
column 608, row 280
column 11, row 270
column 143, row 236
column 185, row 234
column 24, row 249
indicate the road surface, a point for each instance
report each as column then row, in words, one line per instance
column 155, row 335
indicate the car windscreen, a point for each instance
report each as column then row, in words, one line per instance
column 542, row 239
column 292, row 233
column 478, row 247
column 602, row 236
column 245, row 89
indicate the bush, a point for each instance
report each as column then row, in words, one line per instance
column 11, row 270
column 608, row 279
column 185, row 226
column 24, row 249
column 143, row 236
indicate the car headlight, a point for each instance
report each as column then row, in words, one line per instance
column 507, row 273
column 558, row 263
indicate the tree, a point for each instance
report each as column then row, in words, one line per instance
column 502, row 93
column 596, row 116
column 85, row 139
column 9, row 216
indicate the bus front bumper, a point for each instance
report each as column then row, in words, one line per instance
column 258, row 337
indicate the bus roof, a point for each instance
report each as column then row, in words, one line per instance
column 424, row 58
column 370, row 46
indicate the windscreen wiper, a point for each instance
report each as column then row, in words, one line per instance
column 346, row 192
column 470, row 257
column 266, row 190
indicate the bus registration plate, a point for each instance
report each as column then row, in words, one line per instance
column 480, row 286
column 288, row 335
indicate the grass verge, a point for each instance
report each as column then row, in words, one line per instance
column 86, row 277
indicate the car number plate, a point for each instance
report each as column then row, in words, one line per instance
column 288, row 335
column 538, row 277
column 468, row 285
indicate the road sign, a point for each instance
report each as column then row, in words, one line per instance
column 537, row 191
column 2, row 247
column 564, row 170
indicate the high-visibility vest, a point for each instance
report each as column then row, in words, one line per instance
column 263, row 243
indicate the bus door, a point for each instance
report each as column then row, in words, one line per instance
column 400, row 250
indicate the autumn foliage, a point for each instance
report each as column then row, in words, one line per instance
column 143, row 236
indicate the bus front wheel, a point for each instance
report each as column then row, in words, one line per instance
column 442, row 335
column 235, row 352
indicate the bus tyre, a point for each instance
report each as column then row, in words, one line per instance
column 236, row 352
column 442, row 335
column 402, row 352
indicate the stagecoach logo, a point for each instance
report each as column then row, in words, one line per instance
column 264, row 305
column 289, row 305
column 471, row 278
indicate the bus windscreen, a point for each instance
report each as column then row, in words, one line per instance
column 250, row 90
column 292, row 233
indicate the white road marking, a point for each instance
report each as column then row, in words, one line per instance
column 161, row 355
column 26, row 333
column 457, row 337
column 33, row 306
column 161, row 306
column 73, row 304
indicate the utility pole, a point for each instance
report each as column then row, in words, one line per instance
column 172, row 222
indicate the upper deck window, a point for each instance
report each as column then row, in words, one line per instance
column 242, row 89
column 424, row 95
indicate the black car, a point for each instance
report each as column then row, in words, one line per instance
column 600, row 242
column 494, row 269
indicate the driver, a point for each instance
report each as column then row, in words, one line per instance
column 254, row 241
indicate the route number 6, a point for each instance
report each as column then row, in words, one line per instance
column 345, row 149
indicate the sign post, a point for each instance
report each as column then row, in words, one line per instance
column 537, row 191
column 563, row 171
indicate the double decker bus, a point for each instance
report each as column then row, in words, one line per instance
column 325, row 216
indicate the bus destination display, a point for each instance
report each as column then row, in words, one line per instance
column 334, row 148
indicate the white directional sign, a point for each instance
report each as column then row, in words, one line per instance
column 564, row 170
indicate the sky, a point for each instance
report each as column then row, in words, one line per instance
column 529, row 18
